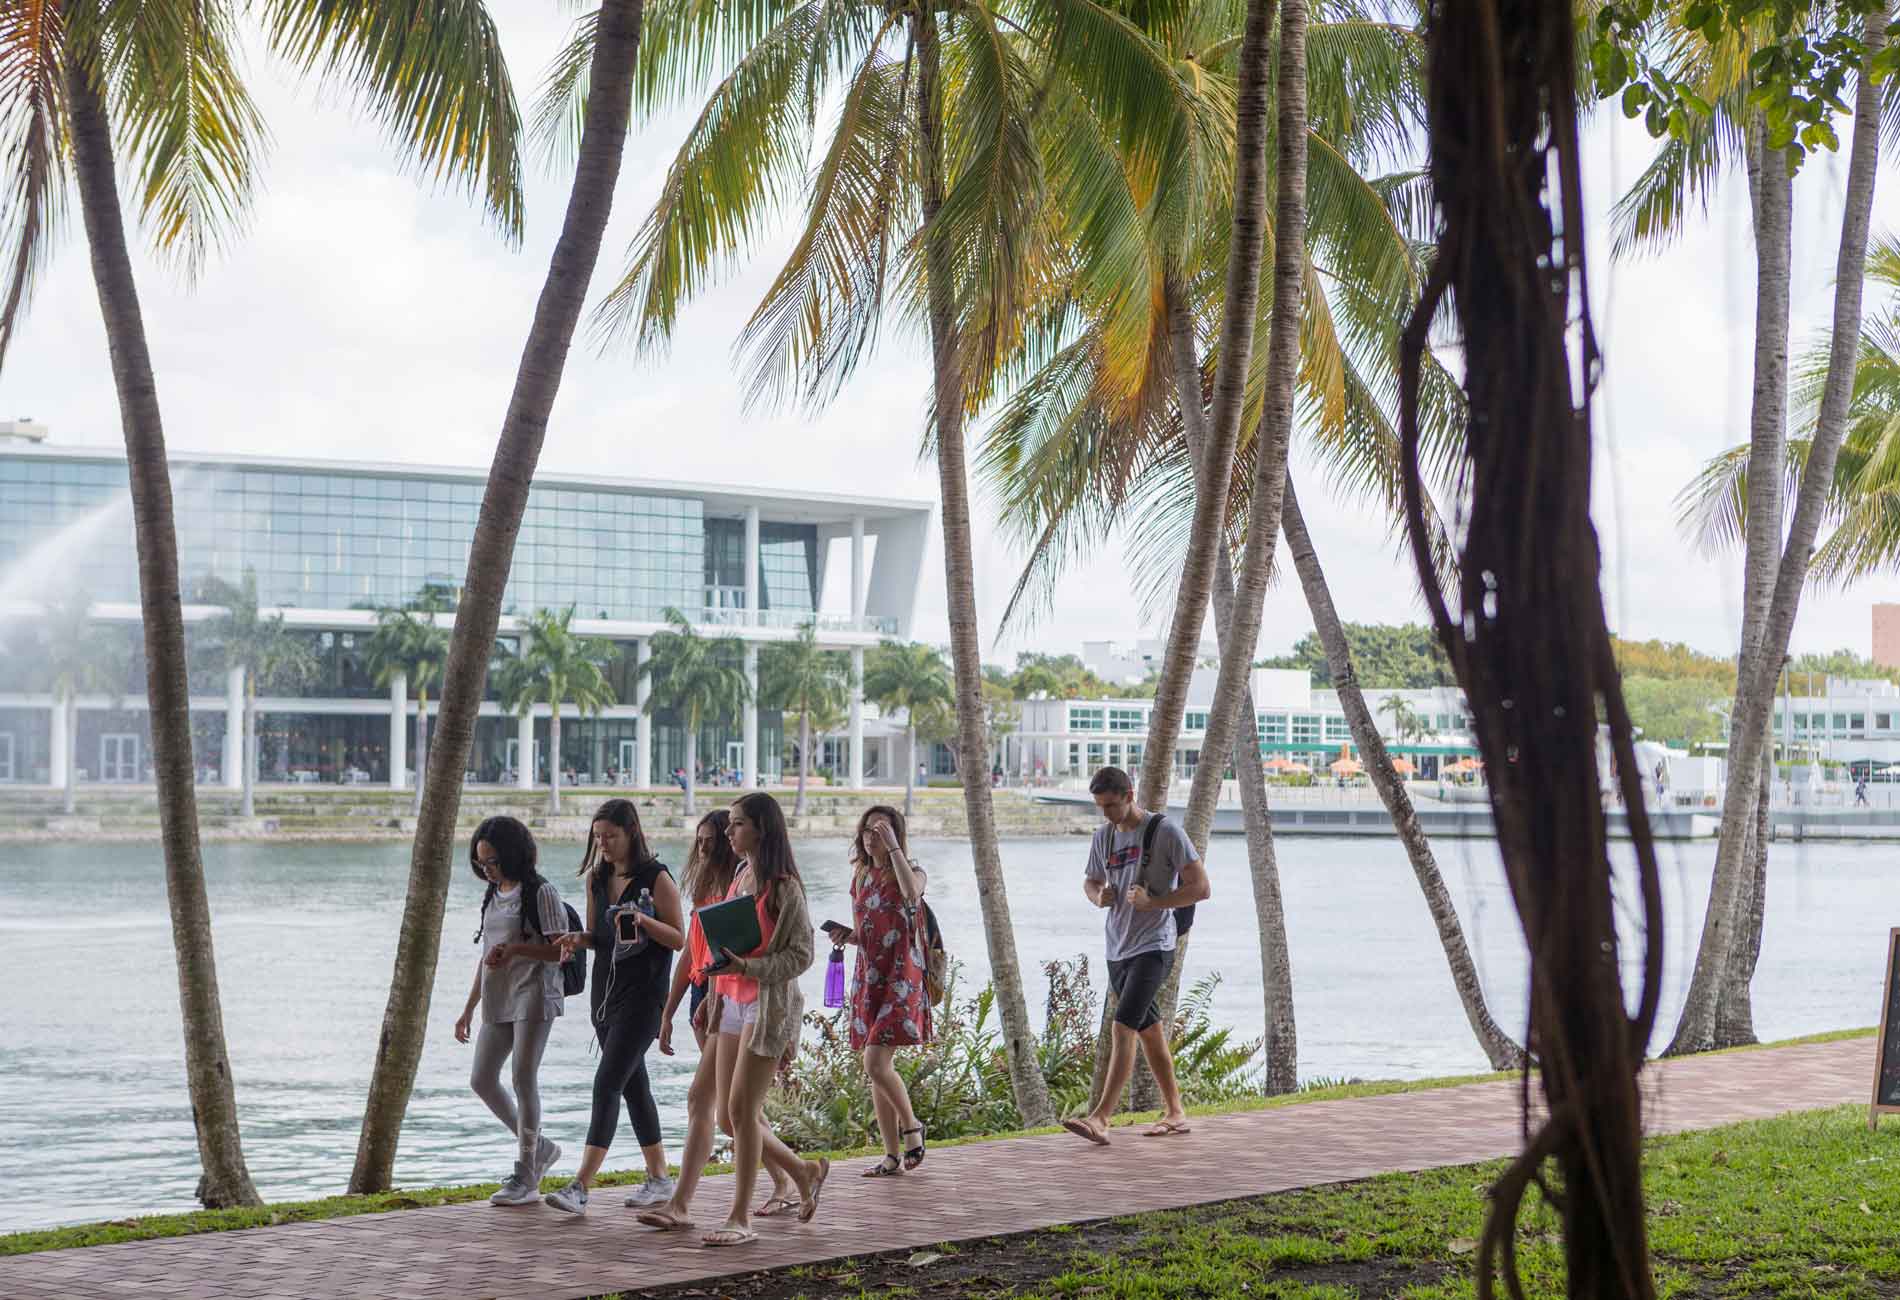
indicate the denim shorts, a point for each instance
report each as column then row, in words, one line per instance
column 735, row 1016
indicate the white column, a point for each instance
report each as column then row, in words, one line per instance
column 751, row 564
column 857, row 569
column 857, row 718
column 233, row 766
column 750, row 724
column 643, row 729
column 524, row 738
column 399, row 731
column 59, row 746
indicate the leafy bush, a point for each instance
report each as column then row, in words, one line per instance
column 959, row 1084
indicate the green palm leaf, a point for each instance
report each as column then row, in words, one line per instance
column 32, row 135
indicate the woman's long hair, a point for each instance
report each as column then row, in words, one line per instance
column 516, row 854
column 772, row 860
column 862, row 861
column 623, row 814
column 709, row 872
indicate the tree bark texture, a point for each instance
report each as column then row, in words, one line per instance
column 226, row 1181
column 422, row 747
column 1025, row 1071
column 477, row 616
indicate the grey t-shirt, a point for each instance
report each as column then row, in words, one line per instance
column 1115, row 857
column 521, row 989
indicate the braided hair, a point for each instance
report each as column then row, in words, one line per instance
column 517, row 856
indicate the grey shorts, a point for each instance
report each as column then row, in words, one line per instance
column 1137, row 984
column 735, row 1016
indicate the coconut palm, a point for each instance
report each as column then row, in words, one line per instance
column 410, row 644
column 801, row 679
column 70, row 656
column 697, row 679
column 556, row 667
column 1406, row 724
column 75, row 75
column 913, row 679
column 245, row 638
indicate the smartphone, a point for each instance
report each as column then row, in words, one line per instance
column 720, row 965
column 626, row 928
column 833, row 927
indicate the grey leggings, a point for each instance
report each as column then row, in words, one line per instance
column 527, row 1040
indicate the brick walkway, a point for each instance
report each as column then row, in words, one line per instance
column 479, row 1251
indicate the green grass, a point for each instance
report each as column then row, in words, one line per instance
column 146, row 1227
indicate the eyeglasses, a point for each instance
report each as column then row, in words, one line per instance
column 488, row 864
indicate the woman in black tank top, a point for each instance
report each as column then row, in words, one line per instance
column 634, row 925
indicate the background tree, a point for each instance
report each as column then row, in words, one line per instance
column 73, row 656
column 803, row 680
column 556, row 667
column 1388, row 656
column 409, row 643
column 244, row 637
column 697, row 679
column 1406, row 724
column 1002, row 716
column 915, row 680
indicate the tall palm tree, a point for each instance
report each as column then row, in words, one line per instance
column 410, row 644
column 695, row 678
column 246, row 638
column 72, row 656
column 800, row 678
column 608, row 44
column 915, row 679
column 557, row 668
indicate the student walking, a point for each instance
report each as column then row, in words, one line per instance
column 518, row 988
column 634, row 926
column 890, row 1008
column 1141, row 867
column 756, row 1008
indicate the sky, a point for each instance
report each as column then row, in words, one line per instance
column 365, row 314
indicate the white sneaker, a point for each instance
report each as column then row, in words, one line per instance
column 547, row 1154
column 656, row 1190
column 571, row 1199
column 516, row 1191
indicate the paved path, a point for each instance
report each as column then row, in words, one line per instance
column 478, row 1251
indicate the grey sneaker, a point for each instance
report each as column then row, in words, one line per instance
column 656, row 1190
column 548, row 1153
column 516, row 1191
column 571, row 1199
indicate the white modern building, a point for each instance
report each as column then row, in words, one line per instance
column 1851, row 723
column 1131, row 663
column 332, row 542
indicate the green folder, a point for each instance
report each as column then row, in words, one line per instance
column 732, row 925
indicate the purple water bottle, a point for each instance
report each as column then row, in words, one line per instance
column 834, row 978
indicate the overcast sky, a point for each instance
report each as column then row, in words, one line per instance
column 364, row 316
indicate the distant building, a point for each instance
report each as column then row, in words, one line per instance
column 1855, row 724
column 1131, row 664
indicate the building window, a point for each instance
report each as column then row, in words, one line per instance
column 1336, row 728
column 1306, row 728
column 1075, row 756
column 1084, row 719
column 1127, row 720
column 1840, row 722
column 1098, row 754
column 1883, row 722
column 1272, row 728
column 1194, row 720
column 1135, row 748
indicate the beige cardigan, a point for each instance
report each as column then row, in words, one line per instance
column 788, row 954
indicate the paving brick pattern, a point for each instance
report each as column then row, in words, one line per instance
column 967, row 1192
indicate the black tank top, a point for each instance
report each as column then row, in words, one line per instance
column 637, row 983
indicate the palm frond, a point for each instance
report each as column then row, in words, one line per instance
column 32, row 134
column 560, row 107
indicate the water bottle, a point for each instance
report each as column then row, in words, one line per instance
column 834, row 978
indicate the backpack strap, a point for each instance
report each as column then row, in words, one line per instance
column 1148, row 839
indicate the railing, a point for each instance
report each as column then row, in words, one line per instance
column 713, row 616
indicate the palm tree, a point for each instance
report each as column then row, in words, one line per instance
column 410, row 644
column 694, row 677
column 605, row 49
column 915, row 679
column 1405, row 720
column 71, row 657
column 244, row 637
column 800, row 678
column 556, row 667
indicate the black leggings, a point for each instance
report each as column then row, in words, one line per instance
column 622, row 1073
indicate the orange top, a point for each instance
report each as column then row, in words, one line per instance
column 742, row 988
column 698, row 956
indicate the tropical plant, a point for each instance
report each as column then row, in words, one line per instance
column 245, row 638
column 804, row 680
column 604, row 53
column 410, row 644
column 1406, row 724
column 556, row 667
column 78, row 74
column 695, row 678
column 70, row 655
column 914, row 679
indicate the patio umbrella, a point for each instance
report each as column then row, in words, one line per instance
column 1464, row 765
column 1403, row 766
column 1285, row 765
column 1346, row 767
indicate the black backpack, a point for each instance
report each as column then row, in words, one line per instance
column 574, row 969
column 1183, row 916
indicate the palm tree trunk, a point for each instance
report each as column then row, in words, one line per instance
column 554, row 758
column 71, row 705
column 1734, row 907
column 692, row 768
column 1030, row 1090
column 1735, row 1016
column 804, row 761
column 247, row 802
column 226, row 1181
column 1499, row 1049
column 422, row 747
column 1241, row 300
column 910, row 768
column 477, row 616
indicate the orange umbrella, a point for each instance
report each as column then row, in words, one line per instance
column 1464, row 765
column 1281, row 764
column 1403, row 766
column 1346, row 767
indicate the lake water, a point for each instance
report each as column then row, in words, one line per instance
column 94, row 1118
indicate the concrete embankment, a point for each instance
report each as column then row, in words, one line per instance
column 364, row 813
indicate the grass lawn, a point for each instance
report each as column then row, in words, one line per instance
column 1803, row 1206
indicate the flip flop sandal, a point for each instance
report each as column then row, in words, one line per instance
column 776, row 1206
column 1085, row 1130
column 913, row 1156
column 1167, row 1128
column 810, row 1208
column 664, row 1221
column 888, row 1167
column 729, row 1237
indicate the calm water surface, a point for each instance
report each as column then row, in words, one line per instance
column 94, row 1120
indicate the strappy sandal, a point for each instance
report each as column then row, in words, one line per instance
column 913, row 1156
column 809, row 1209
column 888, row 1167
column 664, row 1220
column 776, row 1205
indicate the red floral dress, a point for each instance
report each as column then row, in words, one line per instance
column 889, row 1007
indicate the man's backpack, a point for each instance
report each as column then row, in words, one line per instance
column 574, row 969
column 936, row 960
column 1183, row 916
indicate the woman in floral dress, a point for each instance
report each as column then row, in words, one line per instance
column 889, row 1006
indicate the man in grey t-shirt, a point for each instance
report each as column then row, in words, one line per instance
column 1140, row 892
